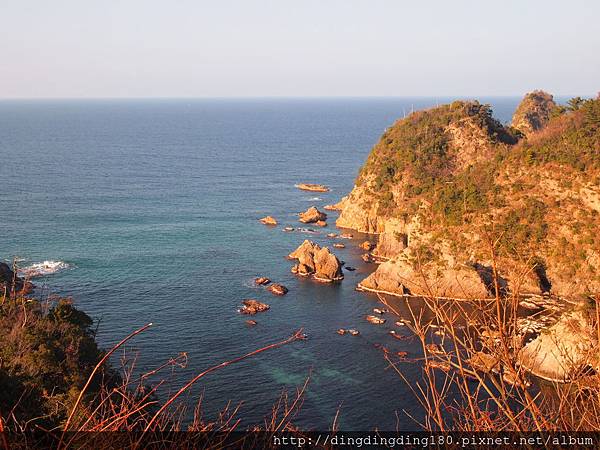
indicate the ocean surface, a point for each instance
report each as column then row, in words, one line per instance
column 149, row 209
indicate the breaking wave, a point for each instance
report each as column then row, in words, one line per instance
column 43, row 268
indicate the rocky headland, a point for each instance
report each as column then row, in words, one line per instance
column 466, row 208
column 450, row 192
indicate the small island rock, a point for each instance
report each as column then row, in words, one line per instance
column 253, row 306
column 278, row 289
column 312, row 187
column 316, row 261
column 312, row 215
column 269, row 220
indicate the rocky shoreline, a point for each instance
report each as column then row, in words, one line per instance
column 426, row 246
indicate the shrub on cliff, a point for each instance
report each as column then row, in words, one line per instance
column 46, row 356
column 572, row 139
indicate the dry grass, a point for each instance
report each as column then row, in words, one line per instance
column 472, row 376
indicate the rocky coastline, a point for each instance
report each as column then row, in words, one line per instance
column 429, row 247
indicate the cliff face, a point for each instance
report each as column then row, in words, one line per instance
column 534, row 112
column 445, row 185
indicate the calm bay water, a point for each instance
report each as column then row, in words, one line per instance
column 154, row 205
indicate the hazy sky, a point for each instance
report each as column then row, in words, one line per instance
column 194, row 48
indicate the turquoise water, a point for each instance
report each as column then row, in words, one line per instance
column 154, row 206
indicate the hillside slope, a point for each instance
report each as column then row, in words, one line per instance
column 445, row 186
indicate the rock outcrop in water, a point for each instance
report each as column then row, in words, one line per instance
column 312, row 215
column 312, row 187
column 317, row 262
column 277, row 289
column 269, row 220
column 253, row 306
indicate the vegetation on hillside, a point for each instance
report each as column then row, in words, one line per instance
column 47, row 354
column 459, row 171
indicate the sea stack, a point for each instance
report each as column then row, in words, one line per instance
column 317, row 262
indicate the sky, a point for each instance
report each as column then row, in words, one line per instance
column 297, row 48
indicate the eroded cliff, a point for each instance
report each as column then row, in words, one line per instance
column 450, row 190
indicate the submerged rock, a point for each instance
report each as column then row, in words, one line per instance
column 339, row 245
column 253, row 306
column 251, row 322
column 312, row 187
column 278, row 289
column 317, row 262
column 312, row 215
column 321, row 223
column 269, row 220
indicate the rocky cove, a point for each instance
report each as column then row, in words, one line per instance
column 462, row 228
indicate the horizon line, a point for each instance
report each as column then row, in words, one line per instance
column 285, row 97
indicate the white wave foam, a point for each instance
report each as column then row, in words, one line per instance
column 43, row 269
column 308, row 230
column 313, row 199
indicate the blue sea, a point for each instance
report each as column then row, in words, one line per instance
column 153, row 207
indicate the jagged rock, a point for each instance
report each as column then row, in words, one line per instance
column 331, row 235
column 332, row 207
column 261, row 281
column 339, row 245
column 316, row 261
column 253, row 306
column 321, row 223
column 269, row 220
column 278, row 289
column 312, row 215
column 312, row 187
column 563, row 349
column 533, row 113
